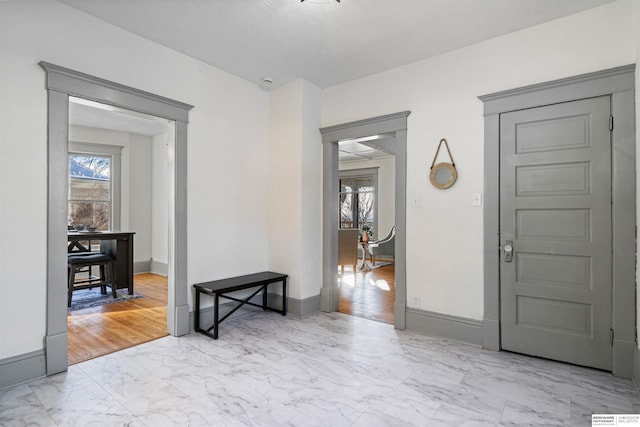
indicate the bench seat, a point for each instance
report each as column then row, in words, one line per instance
column 220, row 288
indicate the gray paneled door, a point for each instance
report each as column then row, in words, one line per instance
column 555, row 214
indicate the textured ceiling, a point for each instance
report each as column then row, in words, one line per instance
column 325, row 44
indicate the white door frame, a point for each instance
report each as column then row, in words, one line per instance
column 62, row 83
column 619, row 83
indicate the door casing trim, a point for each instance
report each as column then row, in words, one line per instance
column 619, row 83
column 396, row 125
column 60, row 84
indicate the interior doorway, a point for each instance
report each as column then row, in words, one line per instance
column 390, row 133
column 61, row 83
column 118, row 163
column 366, row 279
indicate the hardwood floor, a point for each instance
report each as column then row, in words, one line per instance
column 368, row 294
column 102, row 330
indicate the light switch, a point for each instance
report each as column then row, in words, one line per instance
column 415, row 201
column 476, row 199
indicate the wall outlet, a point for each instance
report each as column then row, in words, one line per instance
column 416, row 302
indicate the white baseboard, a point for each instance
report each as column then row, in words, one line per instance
column 141, row 267
column 151, row 266
column 157, row 267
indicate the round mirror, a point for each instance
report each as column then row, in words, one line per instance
column 443, row 175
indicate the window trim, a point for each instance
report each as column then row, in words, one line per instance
column 362, row 173
column 105, row 150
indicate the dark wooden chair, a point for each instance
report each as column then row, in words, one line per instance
column 79, row 261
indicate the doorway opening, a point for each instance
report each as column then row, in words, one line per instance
column 61, row 84
column 118, row 163
column 388, row 134
column 366, row 236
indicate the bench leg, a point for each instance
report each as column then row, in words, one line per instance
column 284, row 296
column 264, row 296
column 196, row 316
column 215, row 317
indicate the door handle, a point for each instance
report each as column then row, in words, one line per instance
column 508, row 250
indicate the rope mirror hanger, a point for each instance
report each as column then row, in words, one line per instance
column 443, row 175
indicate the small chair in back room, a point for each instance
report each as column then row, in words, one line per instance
column 386, row 246
column 348, row 248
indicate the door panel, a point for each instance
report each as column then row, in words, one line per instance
column 550, row 224
column 552, row 180
column 555, row 206
column 553, row 270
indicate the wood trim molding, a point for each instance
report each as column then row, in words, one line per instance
column 636, row 367
column 158, row 267
column 75, row 83
column 142, row 266
column 395, row 126
column 605, row 82
column 22, row 368
column 61, row 83
column 445, row 326
column 370, row 126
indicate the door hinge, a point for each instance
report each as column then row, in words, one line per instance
column 610, row 122
column 612, row 334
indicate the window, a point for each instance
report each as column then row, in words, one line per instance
column 358, row 195
column 94, row 185
column 90, row 190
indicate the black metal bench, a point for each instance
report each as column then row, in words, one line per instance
column 219, row 288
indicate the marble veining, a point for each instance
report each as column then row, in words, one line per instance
column 325, row 370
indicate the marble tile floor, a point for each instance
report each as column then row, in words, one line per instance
column 325, row 370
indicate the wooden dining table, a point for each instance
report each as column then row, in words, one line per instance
column 117, row 244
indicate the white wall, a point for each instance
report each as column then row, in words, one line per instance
column 294, row 186
column 386, row 191
column 140, row 196
column 444, row 235
column 227, row 202
column 285, row 186
column 135, row 181
column 311, row 191
column 159, row 207
column 227, row 188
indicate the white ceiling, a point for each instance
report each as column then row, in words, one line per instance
column 95, row 115
column 92, row 114
column 359, row 149
column 325, row 44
